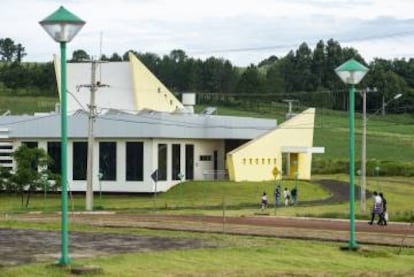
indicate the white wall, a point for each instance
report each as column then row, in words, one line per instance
column 201, row 147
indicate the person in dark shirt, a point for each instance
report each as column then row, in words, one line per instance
column 294, row 194
column 383, row 216
column 277, row 195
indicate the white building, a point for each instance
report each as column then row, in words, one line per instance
column 142, row 127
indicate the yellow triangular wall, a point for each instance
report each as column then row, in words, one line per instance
column 149, row 92
column 256, row 159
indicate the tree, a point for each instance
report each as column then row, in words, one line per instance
column 7, row 49
column 31, row 173
column 250, row 81
column 319, row 63
column 275, row 83
column 115, row 58
column 303, row 69
column 20, row 53
column 269, row 61
column 80, row 56
column 10, row 52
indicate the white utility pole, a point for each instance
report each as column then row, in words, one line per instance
column 93, row 87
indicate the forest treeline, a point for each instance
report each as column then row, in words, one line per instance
column 304, row 74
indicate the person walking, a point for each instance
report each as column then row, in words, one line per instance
column 376, row 208
column 264, row 201
column 286, row 196
column 294, row 194
column 383, row 216
column 277, row 195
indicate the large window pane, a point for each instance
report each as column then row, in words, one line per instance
column 107, row 160
column 176, row 161
column 53, row 150
column 134, row 161
column 189, row 161
column 80, row 160
column 162, row 162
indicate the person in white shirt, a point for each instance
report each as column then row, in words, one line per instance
column 264, row 201
column 377, row 207
column 286, row 196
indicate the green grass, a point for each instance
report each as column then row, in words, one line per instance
column 27, row 105
column 241, row 256
column 234, row 255
column 389, row 137
column 236, row 199
column 185, row 197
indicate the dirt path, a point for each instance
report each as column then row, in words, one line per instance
column 18, row 246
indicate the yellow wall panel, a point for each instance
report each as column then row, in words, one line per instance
column 297, row 131
column 150, row 93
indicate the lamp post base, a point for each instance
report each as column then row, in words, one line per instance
column 349, row 247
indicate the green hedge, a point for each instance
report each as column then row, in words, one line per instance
column 386, row 168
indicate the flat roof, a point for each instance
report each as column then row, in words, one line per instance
column 145, row 124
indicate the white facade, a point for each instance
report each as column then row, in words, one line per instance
column 201, row 148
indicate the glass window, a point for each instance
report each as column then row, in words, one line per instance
column 53, row 150
column 205, row 157
column 80, row 160
column 189, row 161
column 162, row 162
column 107, row 160
column 176, row 161
column 134, row 161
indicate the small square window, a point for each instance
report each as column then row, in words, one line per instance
column 205, row 158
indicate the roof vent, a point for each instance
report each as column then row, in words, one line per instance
column 189, row 100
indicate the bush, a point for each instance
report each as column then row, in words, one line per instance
column 386, row 168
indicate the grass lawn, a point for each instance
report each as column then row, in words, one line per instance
column 389, row 137
column 27, row 105
column 197, row 195
column 239, row 256
column 235, row 199
column 234, row 255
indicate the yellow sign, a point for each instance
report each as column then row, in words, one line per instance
column 275, row 171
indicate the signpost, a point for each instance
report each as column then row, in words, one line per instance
column 180, row 189
column 154, row 177
column 275, row 173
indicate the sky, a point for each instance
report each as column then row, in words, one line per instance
column 242, row 31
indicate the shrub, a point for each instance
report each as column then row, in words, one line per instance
column 386, row 168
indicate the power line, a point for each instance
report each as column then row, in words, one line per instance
column 292, row 45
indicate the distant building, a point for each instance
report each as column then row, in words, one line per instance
column 142, row 127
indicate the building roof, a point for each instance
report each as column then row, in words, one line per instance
column 145, row 124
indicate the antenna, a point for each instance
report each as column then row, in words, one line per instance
column 290, row 114
column 100, row 54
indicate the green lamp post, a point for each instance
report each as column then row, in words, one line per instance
column 351, row 72
column 62, row 26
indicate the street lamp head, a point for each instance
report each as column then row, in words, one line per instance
column 351, row 72
column 62, row 25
